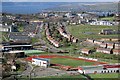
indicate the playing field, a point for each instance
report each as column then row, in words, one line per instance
column 70, row 62
column 66, row 60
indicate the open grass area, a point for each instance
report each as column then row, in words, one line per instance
column 108, row 75
column 100, row 56
column 108, row 18
column 70, row 62
column 89, row 31
column 110, row 58
column 61, row 77
column 33, row 52
column 68, row 76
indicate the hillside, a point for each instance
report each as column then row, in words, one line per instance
column 86, row 7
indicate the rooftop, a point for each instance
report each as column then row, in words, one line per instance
column 16, row 52
column 44, row 59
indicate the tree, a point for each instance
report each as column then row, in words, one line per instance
column 108, row 14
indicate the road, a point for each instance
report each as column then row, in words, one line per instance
column 42, row 42
column 44, row 72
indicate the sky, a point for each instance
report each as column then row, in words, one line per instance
column 59, row 0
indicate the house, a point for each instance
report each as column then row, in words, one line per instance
column 88, row 16
column 36, row 21
column 117, row 46
column 74, row 40
column 110, row 45
column 103, row 45
column 52, row 40
column 48, row 32
column 107, row 31
column 115, row 39
column 66, row 35
column 116, row 51
column 105, row 39
column 90, row 40
column 98, row 42
column 75, row 21
column 86, row 51
column 63, row 33
column 103, row 50
column 69, row 15
column 41, row 62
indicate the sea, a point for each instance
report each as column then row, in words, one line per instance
column 27, row 7
column 33, row 7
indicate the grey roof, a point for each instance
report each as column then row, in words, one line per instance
column 92, row 67
column 19, row 36
column 30, row 28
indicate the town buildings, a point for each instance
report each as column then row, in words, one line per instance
column 8, row 28
column 109, row 31
column 86, row 51
column 107, row 23
column 50, row 38
column 100, row 69
column 103, row 50
column 19, row 37
column 41, row 62
column 116, row 51
column 67, row 35
column 106, row 47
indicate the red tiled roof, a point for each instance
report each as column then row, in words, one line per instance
column 116, row 50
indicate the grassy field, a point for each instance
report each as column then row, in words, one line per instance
column 88, row 31
column 70, row 62
column 64, row 77
column 101, row 57
column 60, row 77
column 108, row 18
column 93, row 76
column 110, row 58
column 109, row 75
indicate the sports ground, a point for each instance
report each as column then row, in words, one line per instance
column 67, row 60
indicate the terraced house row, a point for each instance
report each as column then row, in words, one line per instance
column 50, row 38
column 62, row 32
column 106, row 47
column 66, row 35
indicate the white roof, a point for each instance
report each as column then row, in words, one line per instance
column 17, row 45
column 15, row 51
